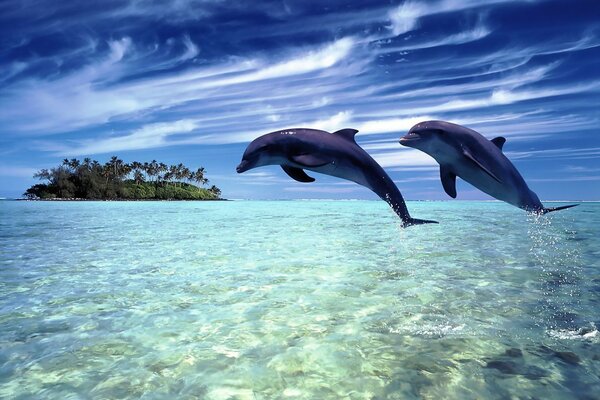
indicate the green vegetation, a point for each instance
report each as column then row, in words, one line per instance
column 117, row 180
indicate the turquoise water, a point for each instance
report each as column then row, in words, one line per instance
column 297, row 299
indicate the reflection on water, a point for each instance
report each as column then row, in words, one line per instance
column 258, row 300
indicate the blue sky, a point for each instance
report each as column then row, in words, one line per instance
column 196, row 80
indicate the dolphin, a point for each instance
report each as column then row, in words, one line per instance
column 462, row 152
column 336, row 154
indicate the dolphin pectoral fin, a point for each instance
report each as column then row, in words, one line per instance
column 448, row 181
column 468, row 155
column 310, row 160
column 346, row 133
column 499, row 141
column 297, row 174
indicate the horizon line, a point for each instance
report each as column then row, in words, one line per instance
column 326, row 199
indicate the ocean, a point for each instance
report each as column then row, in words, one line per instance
column 297, row 299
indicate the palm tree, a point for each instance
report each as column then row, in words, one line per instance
column 177, row 172
column 172, row 172
column 198, row 176
column 118, row 167
column 215, row 190
column 43, row 174
column 146, row 168
column 185, row 173
column 124, row 170
column 87, row 164
column 162, row 170
column 107, row 171
column 110, row 168
column 96, row 167
column 138, row 177
column 74, row 163
column 136, row 168
column 153, row 169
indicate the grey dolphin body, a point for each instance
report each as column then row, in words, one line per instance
column 462, row 152
column 336, row 154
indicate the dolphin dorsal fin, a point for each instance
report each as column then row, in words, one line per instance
column 347, row 133
column 485, row 169
column 499, row 141
column 448, row 181
column 297, row 174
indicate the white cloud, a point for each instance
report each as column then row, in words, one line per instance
column 321, row 102
column 404, row 158
column 405, row 17
column 301, row 64
column 148, row 136
column 497, row 97
column 321, row 189
column 479, row 32
column 18, row 172
column 570, row 153
column 338, row 121
column 14, row 68
column 435, row 177
column 87, row 97
column 191, row 50
column 118, row 48
column 341, row 120
column 568, row 179
column 398, row 125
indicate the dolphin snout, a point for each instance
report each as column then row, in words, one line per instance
column 410, row 136
column 242, row 167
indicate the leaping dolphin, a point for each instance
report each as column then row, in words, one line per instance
column 336, row 154
column 462, row 152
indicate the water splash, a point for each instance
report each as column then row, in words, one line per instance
column 558, row 261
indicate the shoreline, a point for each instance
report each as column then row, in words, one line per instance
column 120, row 200
column 411, row 200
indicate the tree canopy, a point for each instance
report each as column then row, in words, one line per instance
column 115, row 179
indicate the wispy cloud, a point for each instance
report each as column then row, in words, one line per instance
column 594, row 178
column 478, row 32
column 82, row 98
column 405, row 17
column 148, row 136
column 396, row 125
column 191, row 50
column 404, row 158
column 322, row 189
column 497, row 97
column 568, row 152
column 19, row 172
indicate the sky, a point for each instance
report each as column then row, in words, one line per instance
column 194, row 81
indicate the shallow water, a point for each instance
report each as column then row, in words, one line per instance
column 297, row 299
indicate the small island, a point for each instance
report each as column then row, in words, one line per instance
column 117, row 180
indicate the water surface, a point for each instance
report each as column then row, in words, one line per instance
column 297, row 299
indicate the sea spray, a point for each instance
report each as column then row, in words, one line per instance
column 558, row 261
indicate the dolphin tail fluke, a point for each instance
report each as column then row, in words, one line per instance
column 415, row 221
column 550, row 209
